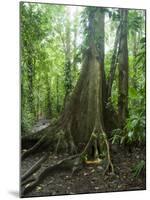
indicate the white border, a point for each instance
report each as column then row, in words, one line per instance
column 9, row 97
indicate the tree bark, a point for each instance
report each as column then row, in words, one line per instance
column 113, row 64
column 30, row 74
column 100, row 29
column 123, row 70
column 67, row 69
column 81, row 123
column 48, row 99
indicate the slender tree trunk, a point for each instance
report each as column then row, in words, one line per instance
column 75, row 50
column 113, row 64
column 67, row 70
column 134, row 35
column 57, row 96
column 30, row 85
column 49, row 104
column 37, row 101
column 123, row 70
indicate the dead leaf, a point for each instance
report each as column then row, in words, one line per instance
column 38, row 188
column 99, row 168
column 85, row 174
column 93, row 170
column 96, row 161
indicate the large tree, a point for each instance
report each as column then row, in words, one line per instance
column 81, row 123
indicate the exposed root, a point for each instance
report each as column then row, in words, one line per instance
column 93, row 137
column 60, row 137
column 71, row 163
column 96, row 143
column 29, row 180
column 72, row 147
column 66, row 163
column 34, row 148
column 35, row 167
column 109, row 166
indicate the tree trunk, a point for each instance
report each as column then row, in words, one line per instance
column 113, row 64
column 100, row 29
column 123, row 70
column 57, row 96
column 134, row 35
column 48, row 100
column 30, row 81
column 81, row 123
column 67, row 69
column 82, row 115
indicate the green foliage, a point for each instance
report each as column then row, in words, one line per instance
column 135, row 20
column 27, row 121
column 52, row 44
column 139, row 168
column 116, row 136
column 134, row 131
column 45, row 32
column 140, row 57
column 84, row 157
column 135, row 128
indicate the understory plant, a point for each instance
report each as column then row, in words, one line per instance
column 139, row 168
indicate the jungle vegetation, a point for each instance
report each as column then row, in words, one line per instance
column 82, row 70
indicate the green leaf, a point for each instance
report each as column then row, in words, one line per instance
column 133, row 92
column 130, row 134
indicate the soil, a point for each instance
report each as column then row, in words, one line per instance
column 90, row 178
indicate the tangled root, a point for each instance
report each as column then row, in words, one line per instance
column 109, row 166
column 72, row 162
column 34, row 148
column 67, row 163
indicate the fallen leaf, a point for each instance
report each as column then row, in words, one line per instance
column 38, row 188
column 93, row 170
column 119, row 186
column 96, row 161
column 100, row 168
column 85, row 174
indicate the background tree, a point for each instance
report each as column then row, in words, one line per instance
column 123, row 70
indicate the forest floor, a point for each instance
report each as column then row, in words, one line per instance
column 89, row 179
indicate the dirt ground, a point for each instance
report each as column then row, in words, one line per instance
column 89, row 179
